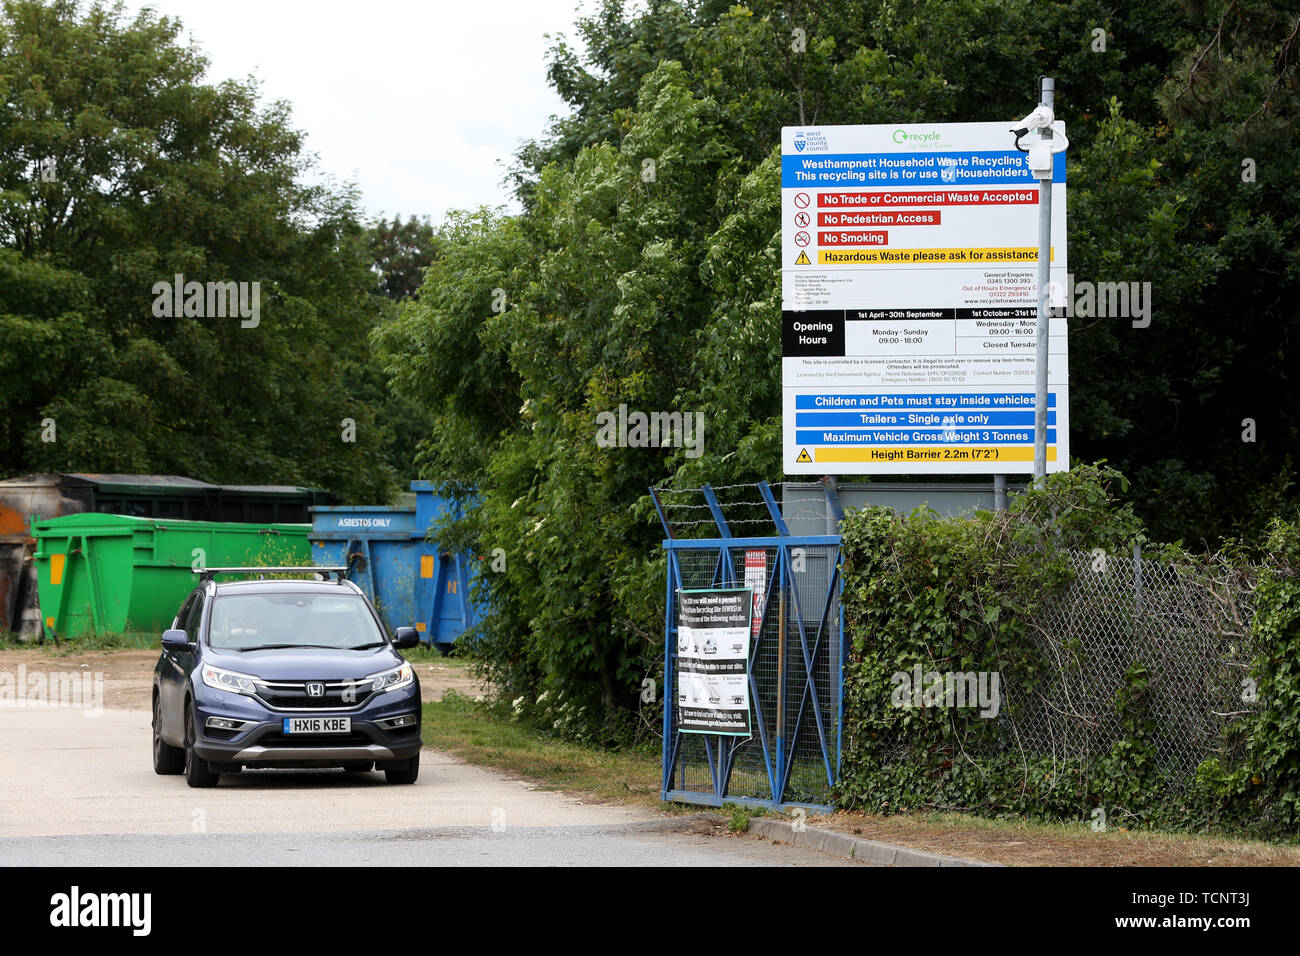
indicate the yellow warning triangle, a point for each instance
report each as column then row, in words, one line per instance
column 803, row 259
column 803, row 456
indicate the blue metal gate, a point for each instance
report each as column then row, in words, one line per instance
column 797, row 654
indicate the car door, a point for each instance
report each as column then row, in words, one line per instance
column 177, row 668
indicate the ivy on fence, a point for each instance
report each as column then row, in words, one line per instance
column 941, row 606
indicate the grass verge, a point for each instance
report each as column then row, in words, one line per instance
column 481, row 733
column 132, row 640
column 1023, row 843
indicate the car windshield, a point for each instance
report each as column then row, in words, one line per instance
column 242, row 622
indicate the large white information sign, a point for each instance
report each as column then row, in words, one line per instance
column 909, row 301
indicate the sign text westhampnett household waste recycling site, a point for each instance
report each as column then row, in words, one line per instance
column 909, row 301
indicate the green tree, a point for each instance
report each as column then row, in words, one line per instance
column 402, row 251
column 119, row 169
column 644, row 271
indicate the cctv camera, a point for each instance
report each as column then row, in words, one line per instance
column 1039, row 118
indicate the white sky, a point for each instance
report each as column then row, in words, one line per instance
column 422, row 104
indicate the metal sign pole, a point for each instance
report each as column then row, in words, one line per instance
column 1047, row 98
column 830, row 485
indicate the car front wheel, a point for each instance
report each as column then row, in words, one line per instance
column 198, row 773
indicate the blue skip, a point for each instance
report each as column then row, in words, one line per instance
column 412, row 581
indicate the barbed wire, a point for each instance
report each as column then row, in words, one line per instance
column 714, row 488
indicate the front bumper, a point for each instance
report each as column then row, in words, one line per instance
column 261, row 742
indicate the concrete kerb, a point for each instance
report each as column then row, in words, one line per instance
column 852, row 847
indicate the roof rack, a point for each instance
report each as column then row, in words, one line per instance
column 207, row 574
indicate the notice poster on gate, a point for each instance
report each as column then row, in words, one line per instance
column 909, row 301
column 713, row 629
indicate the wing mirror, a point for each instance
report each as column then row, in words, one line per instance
column 406, row 637
column 175, row 639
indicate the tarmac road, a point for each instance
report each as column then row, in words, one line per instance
column 78, row 790
column 651, row 844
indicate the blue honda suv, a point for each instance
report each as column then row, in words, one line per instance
column 278, row 672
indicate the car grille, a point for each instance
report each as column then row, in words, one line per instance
column 292, row 695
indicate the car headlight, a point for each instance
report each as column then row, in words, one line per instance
column 392, row 680
column 232, row 681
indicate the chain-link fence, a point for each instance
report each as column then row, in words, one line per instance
column 1188, row 626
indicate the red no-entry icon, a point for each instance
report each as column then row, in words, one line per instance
column 802, row 238
column 801, row 200
column 801, row 219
